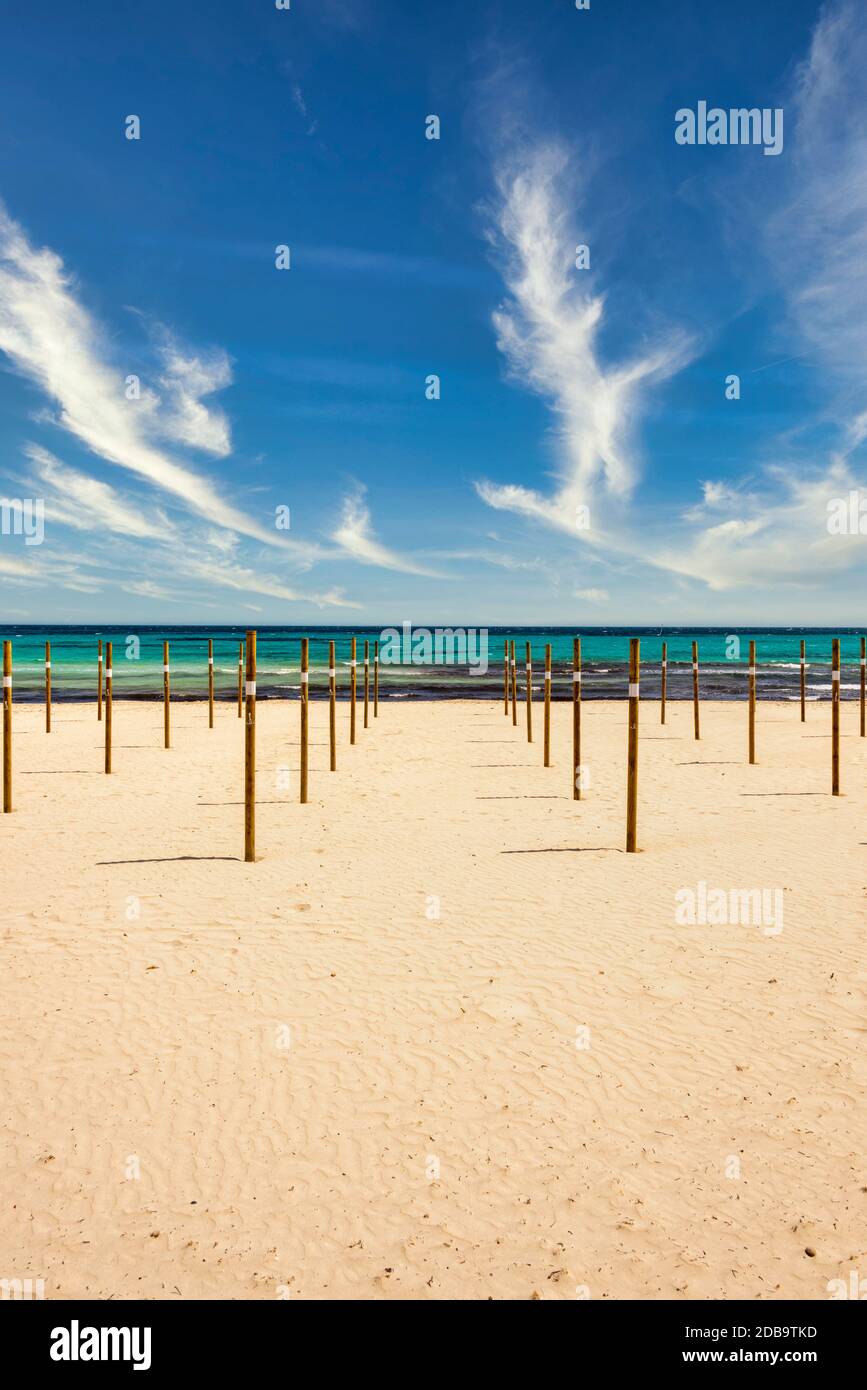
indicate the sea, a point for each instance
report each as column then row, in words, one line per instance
column 415, row 666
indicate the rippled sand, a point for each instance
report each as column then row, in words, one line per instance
column 445, row 1039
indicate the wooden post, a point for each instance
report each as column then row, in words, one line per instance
column 7, row 726
column 752, row 740
column 366, row 679
column 547, row 737
column 529, row 694
column 332, row 706
column 835, row 717
column 863, row 684
column 803, row 681
column 305, row 711
column 576, row 719
column 695, row 688
column 664, row 681
column 514, row 684
column 240, row 680
column 48, row 687
column 99, row 681
column 353, row 666
column 166, row 697
column 210, row 682
column 108, row 680
column 506, row 679
column 376, row 680
column 250, row 753
column 632, row 753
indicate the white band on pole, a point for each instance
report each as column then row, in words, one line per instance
column 7, row 682
column 165, row 670
column 108, row 673
column 695, row 665
column 353, row 662
column 664, row 664
column 332, row 672
column 48, row 665
column 576, row 677
column 863, row 661
column 547, row 675
column 529, row 665
column 633, row 690
column 250, row 688
column 835, row 675
column 210, row 661
column 304, row 677
column 752, row 670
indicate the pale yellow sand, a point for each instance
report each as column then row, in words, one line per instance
column 288, row 1052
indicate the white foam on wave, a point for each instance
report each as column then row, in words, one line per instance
column 844, row 685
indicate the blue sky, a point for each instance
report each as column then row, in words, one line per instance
column 582, row 463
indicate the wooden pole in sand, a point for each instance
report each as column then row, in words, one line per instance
column 353, row 667
column 803, row 680
column 366, row 679
column 835, row 717
column 240, row 680
column 547, row 738
column 332, row 706
column 210, row 682
column 376, row 680
column 576, row 719
column 506, row 679
column 99, row 681
column 167, row 696
column 48, row 687
column 752, row 739
column 108, row 681
column 529, row 694
column 664, row 681
column 250, row 754
column 305, row 712
column 863, row 686
column 514, row 684
column 7, row 726
column 695, row 689
column 632, row 753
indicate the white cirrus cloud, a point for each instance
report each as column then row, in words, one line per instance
column 816, row 235
column 228, row 574
column 769, row 528
column 548, row 331
column 146, row 588
column 187, row 378
column 777, row 535
column 78, row 500
column 355, row 537
column 53, row 341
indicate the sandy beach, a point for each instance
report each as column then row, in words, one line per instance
column 445, row 1039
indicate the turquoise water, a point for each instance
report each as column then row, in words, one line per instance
column 138, row 659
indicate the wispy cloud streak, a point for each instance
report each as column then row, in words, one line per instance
column 548, row 331
column 52, row 340
column 355, row 537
